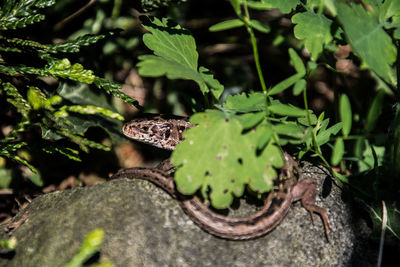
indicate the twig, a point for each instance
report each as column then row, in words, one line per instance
column 61, row 24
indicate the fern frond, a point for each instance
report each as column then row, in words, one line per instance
column 18, row 14
column 16, row 99
column 10, row 150
column 74, row 46
column 57, row 69
column 65, row 151
column 22, row 44
column 114, row 89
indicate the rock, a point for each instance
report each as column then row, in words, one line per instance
column 144, row 226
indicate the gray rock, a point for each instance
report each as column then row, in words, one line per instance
column 145, row 227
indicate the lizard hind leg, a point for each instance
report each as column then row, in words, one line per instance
column 305, row 190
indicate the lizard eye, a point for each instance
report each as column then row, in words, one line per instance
column 181, row 129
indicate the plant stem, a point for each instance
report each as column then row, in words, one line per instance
column 398, row 70
column 246, row 20
column 314, row 136
column 317, row 149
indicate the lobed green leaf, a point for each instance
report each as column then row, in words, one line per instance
column 388, row 9
column 314, row 29
column 175, row 55
column 225, row 159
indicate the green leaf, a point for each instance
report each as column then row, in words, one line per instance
column 216, row 155
column 36, row 179
column 338, row 151
column 389, row 9
column 5, row 176
column 376, row 213
column 226, row 25
column 345, row 113
column 290, row 129
column 304, row 120
column 314, row 29
column 340, row 177
column 285, row 84
column 296, row 62
column 89, row 247
column 244, row 103
column 287, row 110
column 285, row 6
column 149, row 5
column 324, row 135
column 175, row 55
column 249, row 120
column 259, row 26
column 264, row 133
column 236, row 5
column 367, row 161
column 10, row 243
column 208, row 78
column 81, row 94
column 374, row 111
column 299, row 87
column 368, row 39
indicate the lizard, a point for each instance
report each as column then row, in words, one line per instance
column 166, row 133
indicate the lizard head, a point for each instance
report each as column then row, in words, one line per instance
column 158, row 131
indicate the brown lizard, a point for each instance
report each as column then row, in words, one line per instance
column 167, row 133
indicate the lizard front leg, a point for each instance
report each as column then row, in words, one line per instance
column 306, row 190
column 166, row 166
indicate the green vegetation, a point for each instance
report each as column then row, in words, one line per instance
column 244, row 133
